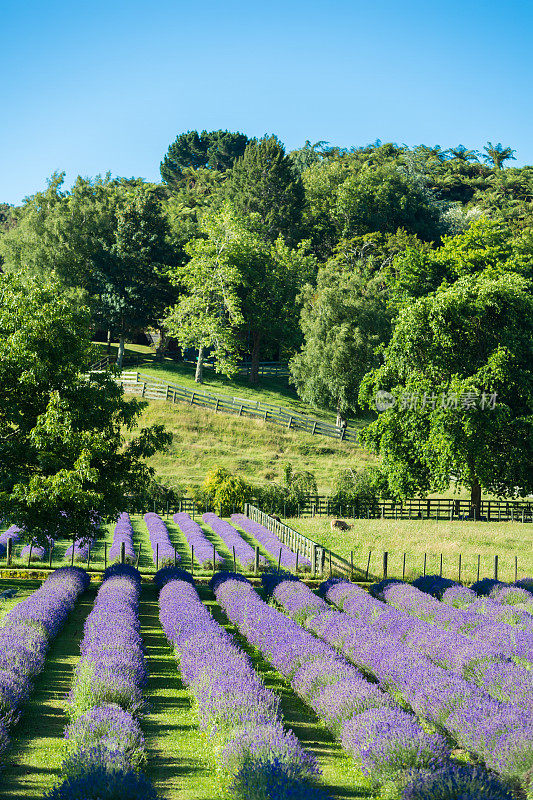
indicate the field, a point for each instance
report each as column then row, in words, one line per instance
column 416, row 537
column 180, row 761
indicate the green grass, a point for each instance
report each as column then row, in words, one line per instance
column 416, row 537
column 33, row 763
column 202, row 440
column 178, row 764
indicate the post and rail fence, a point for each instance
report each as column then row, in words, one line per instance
column 150, row 388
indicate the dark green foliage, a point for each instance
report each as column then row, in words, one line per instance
column 470, row 338
column 214, row 150
column 63, row 462
column 264, row 182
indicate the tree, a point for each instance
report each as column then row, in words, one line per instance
column 264, row 182
column 419, row 270
column 208, row 313
column 462, row 154
column 344, row 320
column 307, row 155
column 216, row 150
column 108, row 237
column 497, row 155
column 63, row 459
column 459, row 376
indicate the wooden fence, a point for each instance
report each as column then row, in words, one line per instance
column 152, row 388
column 437, row 508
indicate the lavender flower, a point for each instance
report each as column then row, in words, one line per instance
column 455, row 782
column 123, row 535
column 111, row 727
column 271, row 543
column 203, row 549
column 232, row 539
column 237, row 712
column 38, row 552
column 163, row 550
column 324, row 679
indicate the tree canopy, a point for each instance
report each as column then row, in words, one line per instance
column 213, row 150
column 64, row 462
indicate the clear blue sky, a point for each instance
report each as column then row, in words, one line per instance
column 91, row 87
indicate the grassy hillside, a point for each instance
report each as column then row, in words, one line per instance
column 255, row 449
column 275, row 391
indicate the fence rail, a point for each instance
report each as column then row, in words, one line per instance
column 151, row 388
column 437, row 508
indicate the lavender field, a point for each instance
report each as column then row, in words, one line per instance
column 177, row 680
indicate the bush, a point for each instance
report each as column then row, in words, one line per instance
column 367, row 486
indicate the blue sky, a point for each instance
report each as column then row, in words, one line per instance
column 88, row 88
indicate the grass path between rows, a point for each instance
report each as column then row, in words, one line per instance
column 33, row 762
column 177, row 762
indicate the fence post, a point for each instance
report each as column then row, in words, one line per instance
column 440, row 573
column 297, row 554
column 88, row 556
column 478, row 560
column 9, row 550
column 385, row 563
column 256, row 560
column 192, row 559
column 122, row 552
column 403, row 568
column 29, row 556
column 495, row 568
column 425, row 559
column 368, row 564
column 459, row 578
column 50, row 550
column 157, row 556
column 279, row 560
column 515, row 568
column 234, row 560
column 105, row 555
column 72, row 559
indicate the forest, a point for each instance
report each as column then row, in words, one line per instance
column 378, row 273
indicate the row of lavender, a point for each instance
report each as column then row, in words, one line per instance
column 387, row 743
column 26, row 633
column 499, row 733
column 252, row 752
column 105, row 744
column 286, row 557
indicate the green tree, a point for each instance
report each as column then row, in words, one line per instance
column 453, row 356
column 344, row 320
column 213, row 150
column 462, row 154
column 208, row 312
column 497, row 155
column 264, row 182
column 108, row 237
column 63, row 458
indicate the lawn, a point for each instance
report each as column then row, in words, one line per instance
column 203, row 439
column 416, row 537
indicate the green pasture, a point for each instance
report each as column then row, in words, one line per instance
column 416, row 537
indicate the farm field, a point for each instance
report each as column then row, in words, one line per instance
column 181, row 759
column 416, row 537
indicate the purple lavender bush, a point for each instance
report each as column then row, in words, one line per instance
column 203, row 549
column 244, row 553
column 333, row 687
column 123, row 534
column 25, row 635
column 111, row 668
column 163, row 551
column 255, row 756
column 100, row 778
column 38, row 552
column 12, row 533
column 456, row 782
column 271, row 543
column 111, row 727
column 81, row 549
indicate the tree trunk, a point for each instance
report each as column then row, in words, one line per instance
column 120, row 354
column 254, row 366
column 341, row 419
column 108, row 342
column 475, row 497
column 200, row 365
